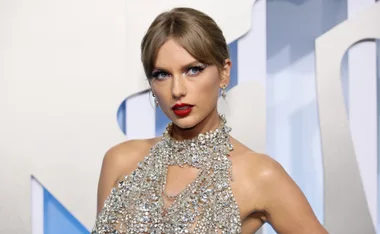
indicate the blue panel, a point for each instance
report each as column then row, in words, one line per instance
column 121, row 116
column 57, row 220
column 161, row 121
column 233, row 48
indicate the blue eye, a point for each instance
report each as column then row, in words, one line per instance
column 160, row 75
column 193, row 71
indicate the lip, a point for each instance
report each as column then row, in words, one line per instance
column 177, row 105
column 183, row 111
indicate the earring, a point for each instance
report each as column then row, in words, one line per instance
column 224, row 92
column 155, row 99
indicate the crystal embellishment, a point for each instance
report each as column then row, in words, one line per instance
column 205, row 206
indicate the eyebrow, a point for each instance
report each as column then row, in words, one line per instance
column 193, row 63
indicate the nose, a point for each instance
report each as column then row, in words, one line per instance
column 178, row 87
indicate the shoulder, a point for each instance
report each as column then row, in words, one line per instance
column 263, row 167
column 119, row 161
column 129, row 150
column 269, row 189
column 124, row 157
column 257, row 166
column 260, row 175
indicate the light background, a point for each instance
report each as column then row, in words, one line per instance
column 68, row 65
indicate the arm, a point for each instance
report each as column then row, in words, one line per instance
column 107, row 178
column 286, row 207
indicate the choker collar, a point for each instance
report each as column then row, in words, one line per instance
column 200, row 151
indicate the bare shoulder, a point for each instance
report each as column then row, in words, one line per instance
column 119, row 161
column 259, row 172
column 125, row 156
column 253, row 164
column 270, row 190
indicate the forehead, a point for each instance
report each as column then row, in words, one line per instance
column 172, row 54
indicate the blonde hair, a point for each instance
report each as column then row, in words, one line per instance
column 195, row 31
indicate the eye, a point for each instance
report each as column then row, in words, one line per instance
column 195, row 70
column 160, row 75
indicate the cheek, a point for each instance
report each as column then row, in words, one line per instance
column 209, row 90
column 162, row 93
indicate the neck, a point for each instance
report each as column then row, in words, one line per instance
column 211, row 122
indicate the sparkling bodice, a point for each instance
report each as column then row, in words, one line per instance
column 207, row 205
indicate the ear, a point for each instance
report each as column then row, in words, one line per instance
column 225, row 73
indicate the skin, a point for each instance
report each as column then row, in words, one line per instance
column 263, row 190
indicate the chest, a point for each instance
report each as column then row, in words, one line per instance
column 138, row 204
column 178, row 178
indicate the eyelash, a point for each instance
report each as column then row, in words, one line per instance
column 199, row 69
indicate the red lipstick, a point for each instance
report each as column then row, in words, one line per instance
column 182, row 109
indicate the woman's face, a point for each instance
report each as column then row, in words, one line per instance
column 186, row 90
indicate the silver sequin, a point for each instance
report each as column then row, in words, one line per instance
column 205, row 206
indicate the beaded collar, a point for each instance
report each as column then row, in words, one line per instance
column 200, row 151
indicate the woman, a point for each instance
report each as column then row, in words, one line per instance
column 195, row 178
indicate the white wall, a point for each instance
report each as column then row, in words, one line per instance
column 65, row 68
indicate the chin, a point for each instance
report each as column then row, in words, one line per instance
column 185, row 122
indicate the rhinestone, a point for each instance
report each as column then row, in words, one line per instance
column 136, row 205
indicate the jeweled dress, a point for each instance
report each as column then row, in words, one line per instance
column 205, row 206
